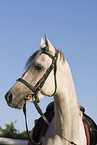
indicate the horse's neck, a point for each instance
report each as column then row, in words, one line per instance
column 66, row 104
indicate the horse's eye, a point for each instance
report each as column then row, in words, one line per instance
column 38, row 67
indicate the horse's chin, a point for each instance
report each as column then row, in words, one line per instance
column 19, row 105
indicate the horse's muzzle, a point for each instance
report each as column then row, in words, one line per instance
column 8, row 97
column 13, row 102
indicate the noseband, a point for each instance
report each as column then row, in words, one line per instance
column 35, row 91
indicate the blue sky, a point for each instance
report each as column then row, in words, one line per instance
column 70, row 25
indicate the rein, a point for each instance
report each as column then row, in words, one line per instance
column 35, row 90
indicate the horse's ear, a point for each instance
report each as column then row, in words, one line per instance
column 42, row 43
column 50, row 47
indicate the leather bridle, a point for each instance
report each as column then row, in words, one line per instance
column 41, row 82
column 35, row 91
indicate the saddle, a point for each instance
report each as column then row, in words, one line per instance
column 41, row 127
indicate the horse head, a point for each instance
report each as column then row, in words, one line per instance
column 39, row 79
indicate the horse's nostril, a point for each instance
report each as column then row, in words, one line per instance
column 8, row 97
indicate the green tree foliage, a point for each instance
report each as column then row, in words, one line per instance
column 11, row 132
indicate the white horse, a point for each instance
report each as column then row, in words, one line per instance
column 67, row 120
